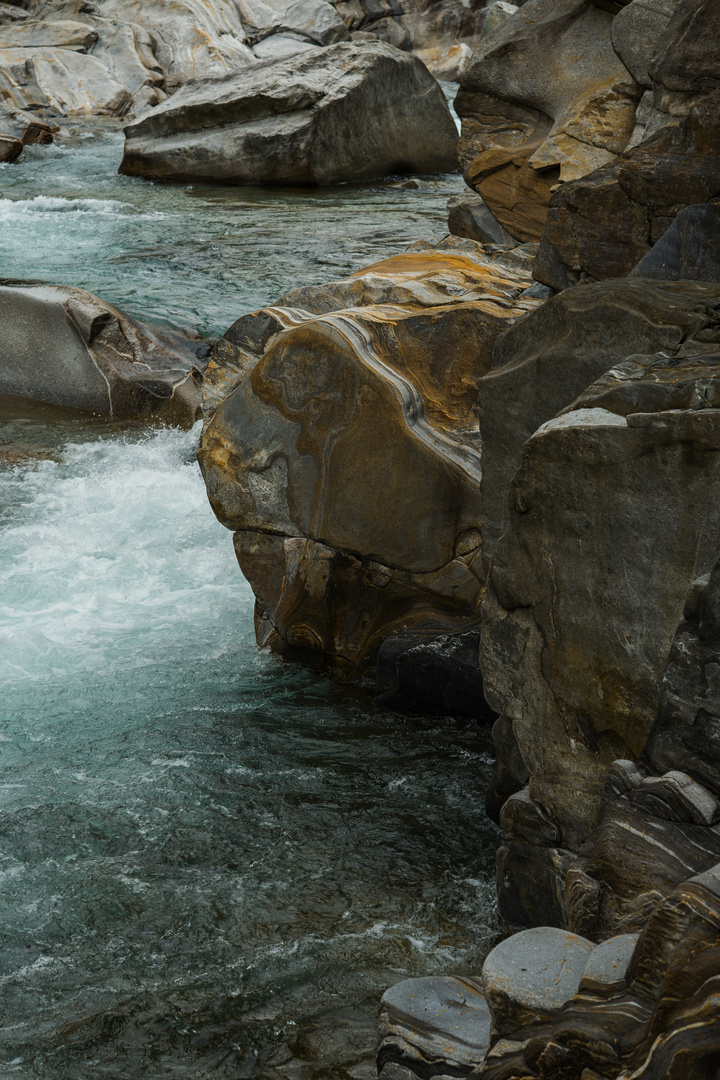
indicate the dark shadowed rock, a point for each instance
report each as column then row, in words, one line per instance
column 348, row 112
column 66, row 347
column 434, row 1026
column 689, row 250
column 545, row 361
column 686, row 733
column 432, row 673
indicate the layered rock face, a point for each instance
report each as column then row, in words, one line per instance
column 66, row 347
column 348, row 112
column 545, row 100
column 343, row 450
column 602, row 225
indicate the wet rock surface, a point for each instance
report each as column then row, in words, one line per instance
column 348, row 112
column 66, row 347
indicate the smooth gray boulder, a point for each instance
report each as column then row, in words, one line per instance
column 432, row 1027
column 345, row 113
column 529, row 976
column 66, row 347
column 607, row 964
column 689, row 250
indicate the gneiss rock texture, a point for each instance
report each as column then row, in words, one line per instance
column 348, row 112
column 651, row 1015
column 602, row 225
column 345, row 458
column 545, row 100
column 66, row 347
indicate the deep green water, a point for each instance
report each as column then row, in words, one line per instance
column 211, row 863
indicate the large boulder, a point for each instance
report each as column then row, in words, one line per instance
column 545, row 100
column 545, row 361
column 343, row 452
column 348, row 112
column 600, row 226
column 18, row 129
column 66, row 347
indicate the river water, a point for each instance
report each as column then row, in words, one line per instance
column 212, row 863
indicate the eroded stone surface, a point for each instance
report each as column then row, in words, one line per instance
column 545, row 100
column 342, row 405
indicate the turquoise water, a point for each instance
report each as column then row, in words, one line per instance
column 211, row 863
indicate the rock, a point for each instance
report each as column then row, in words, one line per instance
column 416, row 24
column 314, row 20
column 686, row 732
column 606, row 968
column 545, row 100
column 636, row 33
column 282, row 46
column 26, row 127
column 528, row 977
column 427, row 672
column 446, row 64
column 496, row 15
column 288, row 122
column 62, row 81
column 510, row 774
column 545, row 361
column 617, row 488
column 334, row 571
column 66, row 347
column 432, row 1026
column 37, row 35
column 658, row 1023
column 469, row 216
column 10, row 148
column 689, row 250
column 600, row 226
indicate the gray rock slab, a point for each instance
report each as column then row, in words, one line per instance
column 433, row 1026
column 347, row 112
column 530, row 976
column 689, row 250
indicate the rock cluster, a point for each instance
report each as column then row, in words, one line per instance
column 118, row 57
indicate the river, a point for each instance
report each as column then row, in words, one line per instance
column 212, row 863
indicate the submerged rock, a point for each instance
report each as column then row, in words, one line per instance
column 66, row 347
column 348, row 112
